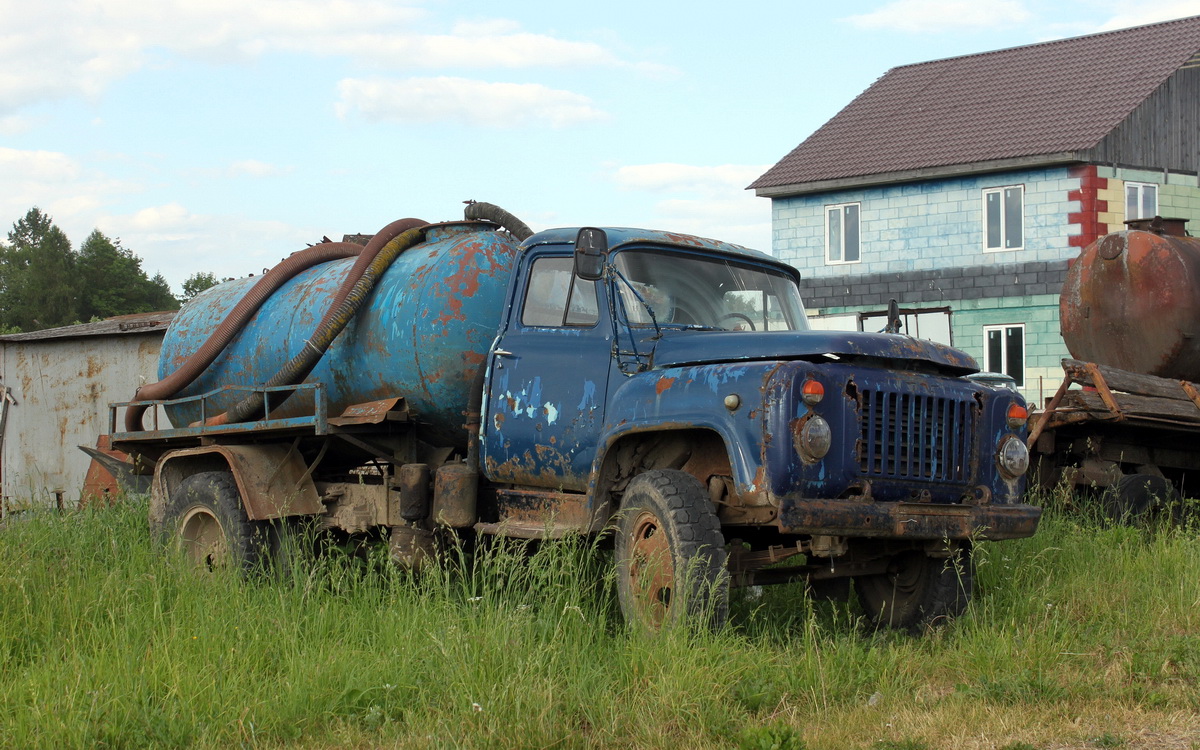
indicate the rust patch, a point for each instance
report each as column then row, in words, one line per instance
column 663, row 385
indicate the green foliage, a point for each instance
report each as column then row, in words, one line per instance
column 772, row 737
column 115, row 282
column 44, row 283
column 39, row 286
column 197, row 283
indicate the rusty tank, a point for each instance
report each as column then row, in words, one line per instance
column 424, row 331
column 1131, row 300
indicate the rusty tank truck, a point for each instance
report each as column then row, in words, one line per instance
column 472, row 378
column 1126, row 420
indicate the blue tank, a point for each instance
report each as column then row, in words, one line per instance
column 422, row 333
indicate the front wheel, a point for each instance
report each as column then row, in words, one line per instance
column 205, row 518
column 670, row 554
column 916, row 590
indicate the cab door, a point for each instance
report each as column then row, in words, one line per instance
column 549, row 375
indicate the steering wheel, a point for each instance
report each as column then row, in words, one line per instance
column 738, row 315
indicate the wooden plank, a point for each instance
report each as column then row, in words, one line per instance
column 1133, row 405
column 1129, row 382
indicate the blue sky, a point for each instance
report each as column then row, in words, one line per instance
column 222, row 135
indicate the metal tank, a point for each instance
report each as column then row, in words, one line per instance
column 422, row 333
column 1131, row 300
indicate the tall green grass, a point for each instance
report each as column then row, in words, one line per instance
column 1085, row 633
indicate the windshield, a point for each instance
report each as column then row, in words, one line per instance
column 677, row 289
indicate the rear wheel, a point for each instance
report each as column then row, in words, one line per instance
column 1138, row 498
column 205, row 518
column 917, row 591
column 670, row 553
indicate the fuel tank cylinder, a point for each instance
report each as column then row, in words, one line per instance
column 422, row 333
column 1132, row 300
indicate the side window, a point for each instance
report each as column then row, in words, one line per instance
column 1004, row 218
column 841, row 233
column 1004, row 351
column 556, row 297
column 1141, row 200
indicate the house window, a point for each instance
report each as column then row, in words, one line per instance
column 1141, row 200
column 841, row 233
column 1004, row 351
column 1004, row 218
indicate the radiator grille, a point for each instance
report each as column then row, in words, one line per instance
column 911, row 436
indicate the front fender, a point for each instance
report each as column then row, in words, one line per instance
column 686, row 398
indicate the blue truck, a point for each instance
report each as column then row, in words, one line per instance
column 662, row 391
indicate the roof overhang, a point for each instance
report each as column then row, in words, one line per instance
column 924, row 173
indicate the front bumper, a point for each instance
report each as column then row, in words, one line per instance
column 899, row 520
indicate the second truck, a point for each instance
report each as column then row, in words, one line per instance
column 472, row 378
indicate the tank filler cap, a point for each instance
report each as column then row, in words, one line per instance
column 1111, row 246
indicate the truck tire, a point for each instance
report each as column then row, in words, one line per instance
column 917, row 591
column 670, row 554
column 205, row 518
column 1140, row 498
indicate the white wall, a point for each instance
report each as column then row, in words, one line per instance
column 62, row 389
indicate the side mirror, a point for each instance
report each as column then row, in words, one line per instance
column 591, row 248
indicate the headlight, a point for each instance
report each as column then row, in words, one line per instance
column 813, row 439
column 1013, row 457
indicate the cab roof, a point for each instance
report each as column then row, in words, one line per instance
column 620, row 236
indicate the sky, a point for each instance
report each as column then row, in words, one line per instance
column 222, row 135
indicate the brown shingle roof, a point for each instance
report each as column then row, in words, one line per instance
column 1041, row 99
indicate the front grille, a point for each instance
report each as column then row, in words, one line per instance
column 911, row 436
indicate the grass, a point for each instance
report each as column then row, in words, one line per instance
column 1082, row 637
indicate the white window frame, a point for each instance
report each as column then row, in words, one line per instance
column 841, row 213
column 1003, row 368
column 1140, row 189
column 1001, row 191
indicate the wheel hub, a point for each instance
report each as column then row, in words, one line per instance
column 203, row 539
column 651, row 570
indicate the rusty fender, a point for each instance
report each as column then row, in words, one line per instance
column 271, row 479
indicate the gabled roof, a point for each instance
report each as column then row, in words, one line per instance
column 1052, row 98
column 151, row 322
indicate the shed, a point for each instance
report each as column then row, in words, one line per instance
column 55, row 388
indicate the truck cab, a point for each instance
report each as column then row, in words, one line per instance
column 691, row 361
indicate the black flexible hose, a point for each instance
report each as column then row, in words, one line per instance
column 492, row 212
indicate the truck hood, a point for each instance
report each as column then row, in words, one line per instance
column 697, row 347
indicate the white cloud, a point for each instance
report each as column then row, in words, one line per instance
column 1126, row 14
column 705, row 201
column 445, row 99
column 169, row 238
column 177, row 243
column 943, row 15
column 15, row 125
column 669, row 176
column 40, row 166
column 61, row 48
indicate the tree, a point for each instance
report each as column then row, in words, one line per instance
column 38, row 280
column 44, row 283
column 115, row 283
column 197, row 283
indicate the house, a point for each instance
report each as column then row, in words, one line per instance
column 963, row 187
column 55, row 388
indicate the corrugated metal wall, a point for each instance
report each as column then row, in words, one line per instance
column 62, row 388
